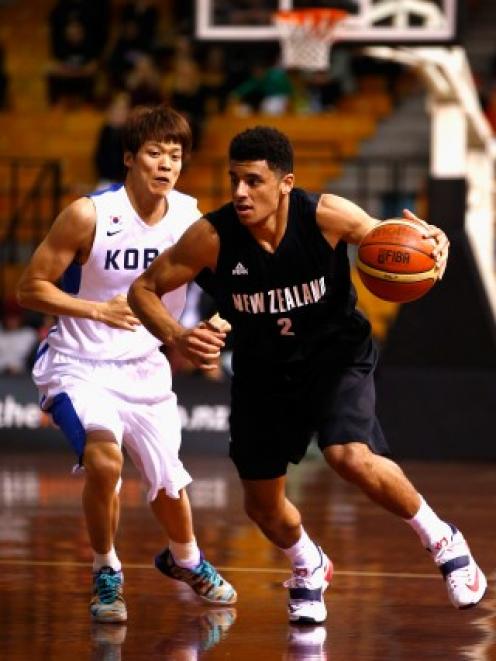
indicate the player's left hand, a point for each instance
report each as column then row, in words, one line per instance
column 219, row 327
column 202, row 345
column 439, row 239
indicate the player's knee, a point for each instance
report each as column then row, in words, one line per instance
column 103, row 463
column 350, row 461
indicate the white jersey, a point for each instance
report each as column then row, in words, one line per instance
column 123, row 247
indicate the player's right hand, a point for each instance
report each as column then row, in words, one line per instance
column 439, row 239
column 117, row 313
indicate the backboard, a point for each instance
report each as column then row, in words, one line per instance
column 370, row 21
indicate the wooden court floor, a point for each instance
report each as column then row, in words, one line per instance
column 387, row 601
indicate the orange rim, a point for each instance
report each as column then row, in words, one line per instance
column 315, row 16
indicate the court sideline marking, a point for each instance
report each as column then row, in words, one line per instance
column 243, row 570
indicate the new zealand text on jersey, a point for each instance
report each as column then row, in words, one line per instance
column 275, row 301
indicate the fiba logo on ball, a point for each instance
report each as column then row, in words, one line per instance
column 393, row 256
column 395, row 261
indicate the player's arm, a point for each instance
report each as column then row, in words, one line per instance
column 69, row 239
column 342, row 220
column 198, row 248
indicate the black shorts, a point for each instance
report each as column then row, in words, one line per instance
column 275, row 415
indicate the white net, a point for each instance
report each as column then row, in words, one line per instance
column 306, row 39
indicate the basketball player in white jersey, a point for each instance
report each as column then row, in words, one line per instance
column 100, row 373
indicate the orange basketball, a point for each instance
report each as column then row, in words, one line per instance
column 394, row 261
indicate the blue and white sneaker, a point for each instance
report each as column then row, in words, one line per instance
column 214, row 626
column 196, row 634
column 306, row 592
column 465, row 582
column 204, row 579
column 107, row 604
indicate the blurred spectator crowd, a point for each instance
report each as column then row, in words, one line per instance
column 115, row 56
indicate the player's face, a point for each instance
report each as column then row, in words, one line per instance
column 156, row 166
column 256, row 190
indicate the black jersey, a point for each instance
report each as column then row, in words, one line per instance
column 290, row 305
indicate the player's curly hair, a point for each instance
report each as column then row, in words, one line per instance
column 263, row 143
column 160, row 123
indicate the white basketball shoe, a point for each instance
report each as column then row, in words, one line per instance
column 306, row 592
column 306, row 642
column 465, row 582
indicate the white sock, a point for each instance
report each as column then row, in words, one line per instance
column 185, row 555
column 428, row 526
column 109, row 559
column 304, row 553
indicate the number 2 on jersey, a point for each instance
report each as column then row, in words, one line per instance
column 285, row 324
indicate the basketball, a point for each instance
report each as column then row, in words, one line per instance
column 394, row 261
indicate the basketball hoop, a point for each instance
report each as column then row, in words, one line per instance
column 306, row 36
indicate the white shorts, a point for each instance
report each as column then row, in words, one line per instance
column 132, row 399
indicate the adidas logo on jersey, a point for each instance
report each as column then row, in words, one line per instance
column 239, row 269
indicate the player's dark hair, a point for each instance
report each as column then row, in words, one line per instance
column 263, row 143
column 159, row 123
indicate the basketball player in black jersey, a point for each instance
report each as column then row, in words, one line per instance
column 275, row 260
